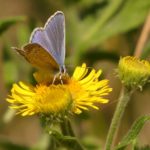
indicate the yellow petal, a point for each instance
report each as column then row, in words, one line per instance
column 80, row 72
column 88, row 78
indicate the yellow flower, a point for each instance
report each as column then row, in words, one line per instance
column 29, row 100
column 77, row 93
column 86, row 89
column 133, row 72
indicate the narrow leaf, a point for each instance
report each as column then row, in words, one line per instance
column 6, row 23
column 133, row 132
column 147, row 147
column 130, row 16
column 6, row 145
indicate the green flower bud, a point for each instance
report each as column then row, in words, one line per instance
column 133, row 72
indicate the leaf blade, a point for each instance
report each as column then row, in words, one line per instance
column 133, row 132
column 6, row 23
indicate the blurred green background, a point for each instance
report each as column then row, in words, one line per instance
column 98, row 32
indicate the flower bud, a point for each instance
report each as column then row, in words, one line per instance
column 133, row 72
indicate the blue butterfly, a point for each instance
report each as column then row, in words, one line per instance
column 46, row 48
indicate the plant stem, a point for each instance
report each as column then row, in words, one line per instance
column 122, row 103
column 68, row 131
column 64, row 127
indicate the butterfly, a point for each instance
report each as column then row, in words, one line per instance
column 46, row 47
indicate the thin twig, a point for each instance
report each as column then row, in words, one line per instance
column 143, row 37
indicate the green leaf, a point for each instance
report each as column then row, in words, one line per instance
column 147, row 147
column 62, row 138
column 130, row 16
column 6, row 23
column 117, row 18
column 5, row 145
column 133, row 132
column 100, row 21
column 67, row 141
column 91, row 143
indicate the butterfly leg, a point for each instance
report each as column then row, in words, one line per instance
column 58, row 76
column 54, row 79
column 62, row 72
column 61, row 75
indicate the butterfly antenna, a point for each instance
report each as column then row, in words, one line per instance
column 54, row 79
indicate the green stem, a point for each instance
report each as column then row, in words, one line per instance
column 68, row 131
column 64, row 127
column 122, row 103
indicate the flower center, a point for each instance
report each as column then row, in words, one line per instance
column 52, row 99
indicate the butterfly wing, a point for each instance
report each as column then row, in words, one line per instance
column 52, row 37
column 38, row 56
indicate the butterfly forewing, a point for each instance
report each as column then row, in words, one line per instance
column 52, row 37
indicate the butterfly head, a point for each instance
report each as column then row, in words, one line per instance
column 62, row 69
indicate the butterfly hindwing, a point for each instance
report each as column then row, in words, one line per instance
column 38, row 56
